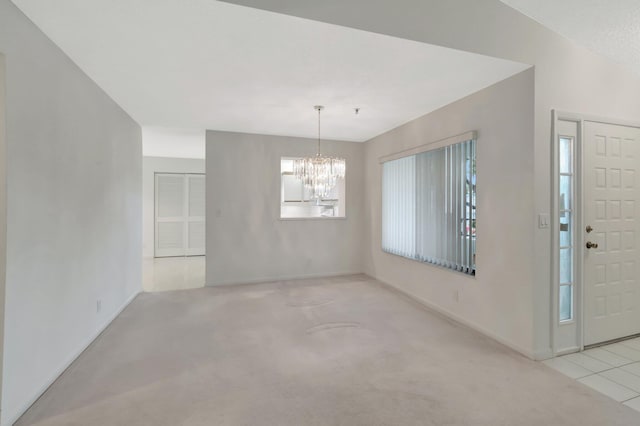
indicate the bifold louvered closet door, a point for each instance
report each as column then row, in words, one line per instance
column 179, row 214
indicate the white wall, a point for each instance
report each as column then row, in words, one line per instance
column 498, row 299
column 246, row 240
column 173, row 143
column 567, row 77
column 74, row 211
column 151, row 166
column 3, row 211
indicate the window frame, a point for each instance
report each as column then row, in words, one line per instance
column 571, row 211
column 282, row 201
column 443, row 143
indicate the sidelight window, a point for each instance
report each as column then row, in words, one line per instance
column 566, row 227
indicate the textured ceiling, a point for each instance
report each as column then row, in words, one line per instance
column 608, row 27
column 204, row 64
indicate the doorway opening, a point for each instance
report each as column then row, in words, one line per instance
column 596, row 232
column 174, row 209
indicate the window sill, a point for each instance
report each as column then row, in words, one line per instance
column 433, row 265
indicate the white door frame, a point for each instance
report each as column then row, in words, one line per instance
column 3, row 208
column 577, row 344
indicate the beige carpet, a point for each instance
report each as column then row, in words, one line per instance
column 338, row 351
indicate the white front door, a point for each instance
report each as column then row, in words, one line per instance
column 611, row 205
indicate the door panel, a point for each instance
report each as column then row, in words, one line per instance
column 180, row 214
column 611, row 197
column 195, row 245
column 170, row 215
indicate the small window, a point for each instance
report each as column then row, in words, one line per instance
column 297, row 201
column 566, row 181
column 429, row 206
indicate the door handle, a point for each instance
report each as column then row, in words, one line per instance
column 591, row 245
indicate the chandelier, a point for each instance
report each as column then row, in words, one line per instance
column 319, row 174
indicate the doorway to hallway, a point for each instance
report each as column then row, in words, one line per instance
column 174, row 210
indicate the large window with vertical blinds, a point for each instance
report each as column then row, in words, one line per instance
column 429, row 204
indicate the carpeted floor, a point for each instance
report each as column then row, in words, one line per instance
column 335, row 351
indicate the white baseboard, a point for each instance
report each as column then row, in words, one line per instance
column 461, row 320
column 543, row 354
column 58, row 372
column 565, row 351
column 282, row 278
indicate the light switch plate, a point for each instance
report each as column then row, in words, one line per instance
column 543, row 220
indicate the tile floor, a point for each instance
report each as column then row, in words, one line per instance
column 173, row 273
column 613, row 370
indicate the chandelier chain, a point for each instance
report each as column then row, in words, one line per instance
column 319, row 108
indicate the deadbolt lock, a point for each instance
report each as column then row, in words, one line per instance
column 589, row 229
column 591, row 245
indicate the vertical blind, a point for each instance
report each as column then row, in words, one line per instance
column 429, row 206
column 399, row 207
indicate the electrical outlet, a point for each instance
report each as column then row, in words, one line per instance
column 98, row 305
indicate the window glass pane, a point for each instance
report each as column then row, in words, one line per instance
column 565, row 206
column 566, row 293
column 471, row 193
column 286, row 165
column 566, row 152
column 566, row 266
column 565, row 193
column 565, row 230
